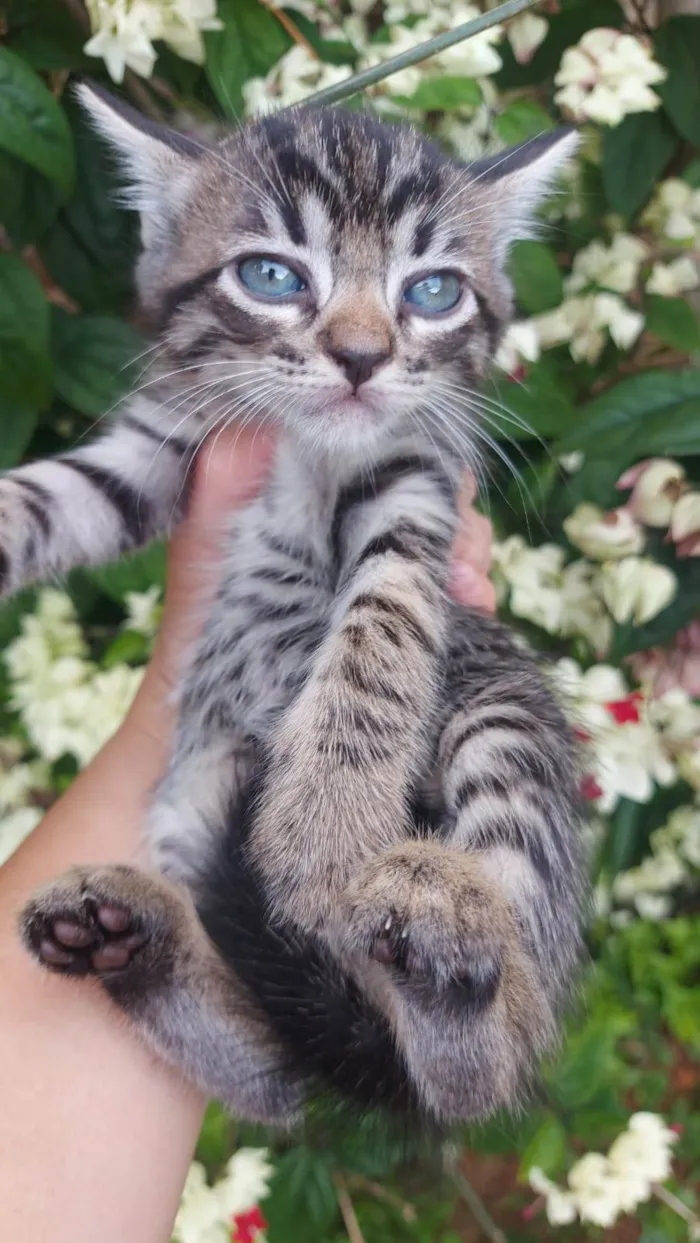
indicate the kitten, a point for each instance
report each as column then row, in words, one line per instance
column 315, row 917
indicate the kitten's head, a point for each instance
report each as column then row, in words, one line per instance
column 333, row 273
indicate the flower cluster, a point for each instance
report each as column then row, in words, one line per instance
column 601, row 1188
column 124, row 31
column 582, row 598
column 24, row 785
column 227, row 1212
column 66, row 703
column 606, row 76
column 674, row 212
column 674, row 862
column 593, row 307
column 661, row 497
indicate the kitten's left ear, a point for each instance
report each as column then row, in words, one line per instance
column 517, row 180
column 157, row 160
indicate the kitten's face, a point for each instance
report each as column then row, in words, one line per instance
column 332, row 274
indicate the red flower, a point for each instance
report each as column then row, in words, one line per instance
column 247, row 1226
column 590, row 788
column 626, row 711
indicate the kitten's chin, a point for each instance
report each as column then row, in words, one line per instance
column 343, row 426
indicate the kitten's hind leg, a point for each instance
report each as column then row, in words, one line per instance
column 141, row 938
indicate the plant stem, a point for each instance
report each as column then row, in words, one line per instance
column 345, row 1205
column 478, row 1209
column 677, row 1205
column 406, row 1210
column 368, row 77
column 291, row 27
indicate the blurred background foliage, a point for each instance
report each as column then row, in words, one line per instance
column 598, row 377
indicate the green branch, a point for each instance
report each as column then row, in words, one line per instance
column 368, row 77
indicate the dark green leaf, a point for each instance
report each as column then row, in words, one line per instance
column 251, row 42
column 521, row 120
column 674, row 321
column 130, row 647
column 547, row 1148
column 635, row 154
column 28, row 201
column 681, row 1009
column 32, row 125
column 18, row 417
column 51, row 38
column 90, row 250
column 625, row 422
column 136, row 573
column 92, row 360
column 25, row 367
column 536, row 277
column 443, row 94
column 677, row 44
column 301, row 1203
column 535, row 406
column 692, row 173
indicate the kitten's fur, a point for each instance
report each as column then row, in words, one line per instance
column 371, row 804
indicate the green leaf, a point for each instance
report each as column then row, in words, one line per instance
column 251, row 42
column 90, row 250
column 92, row 357
column 521, row 120
column 535, row 406
column 25, row 367
column 17, row 422
column 635, row 154
column 677, row 44
column 547, row 1148
column 28, row 201
column 640, row 415
column 32, row 125
column 536, row 278
column 681, row 1009
column 443, row 94
column 130, row 647
column 674, row 321
column 302, row 1202
column 136, row 573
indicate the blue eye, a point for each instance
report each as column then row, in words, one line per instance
column 268, row 278
column 435, row 293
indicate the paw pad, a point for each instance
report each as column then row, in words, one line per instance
column 92, row 937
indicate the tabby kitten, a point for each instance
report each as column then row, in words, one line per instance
column 366, row 866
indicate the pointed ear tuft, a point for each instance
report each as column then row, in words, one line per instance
column 154, row 156
column 517, row 180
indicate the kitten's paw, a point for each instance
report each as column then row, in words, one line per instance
column 430, row 915
column 104, row 922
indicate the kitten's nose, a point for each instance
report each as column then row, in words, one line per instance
column 359, row 365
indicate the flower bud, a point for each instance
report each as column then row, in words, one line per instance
column 656, row 486
column 604, row 536
column 685, row 519
column 637, row 589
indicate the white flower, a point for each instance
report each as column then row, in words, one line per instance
column 653, row 906
column 560, row 1207
column 644, row 1151
column 606, row 76
column 604, row 535
column 689, row 768
column 674, row 278
column 582, row 610
column 534, row 576
column 637, row 588
column 571, row 462
column 614, row 267
column 656, row 485
column 296, row 75
column 583, row 322
column 475, row 58
column 593, row 1190
column 124, row 31
column 199, row 1217
column 685, row 519
column 525, row 34
column 675, row 211
column 14, row 827
column 520, row 343
column 143, row 611
column 245, row 1182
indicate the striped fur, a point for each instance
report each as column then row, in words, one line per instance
column 371, row 801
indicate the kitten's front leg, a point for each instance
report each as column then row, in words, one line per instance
column 346, row 757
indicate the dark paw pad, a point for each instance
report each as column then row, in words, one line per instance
column 87, row 937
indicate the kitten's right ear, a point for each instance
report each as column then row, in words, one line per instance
column 157, row 159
